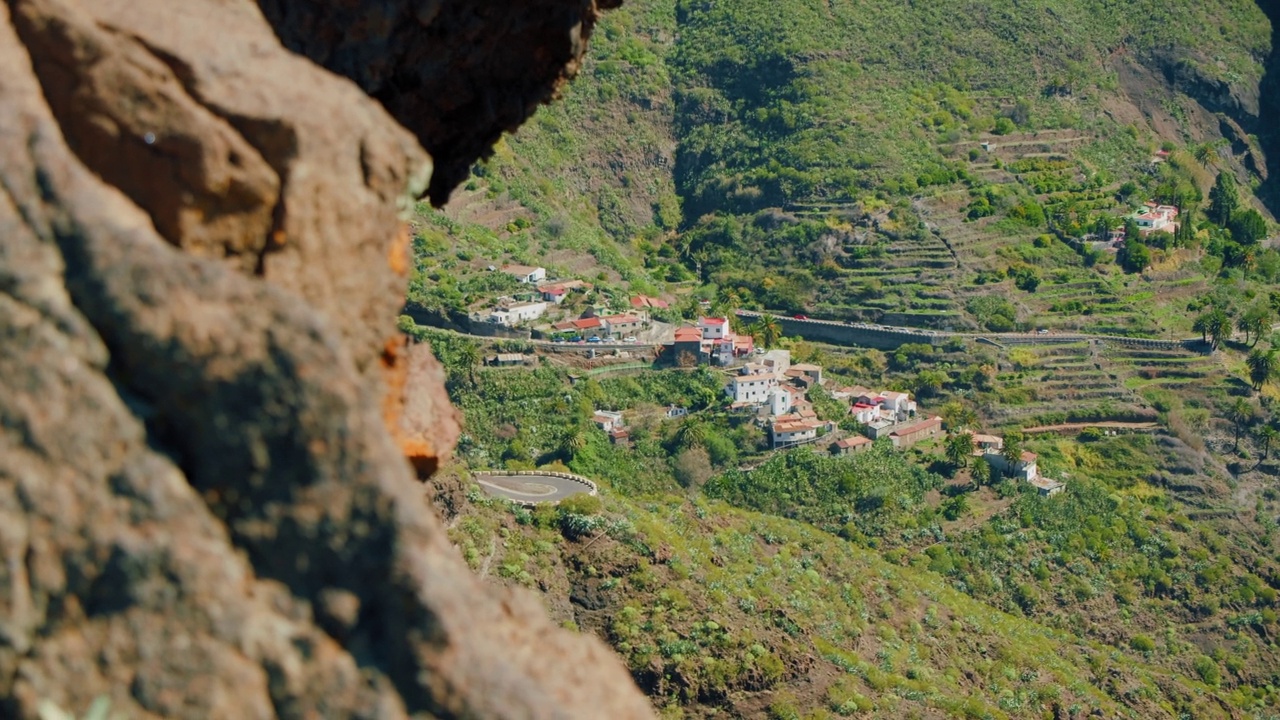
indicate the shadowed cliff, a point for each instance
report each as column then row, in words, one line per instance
column 208, row 501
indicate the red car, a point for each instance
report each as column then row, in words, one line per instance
column 800, row 317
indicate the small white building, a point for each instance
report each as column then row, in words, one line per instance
column 714, row 328
column 864, row 412
column 753, row 389
column 526, row 273
column 781, row 400
column 794, row 432
column 676, row 411
column 778, row 361
column 516, row 314
column 899, row 403
column 1024, row 469
column 607, row 420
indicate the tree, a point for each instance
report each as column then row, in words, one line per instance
column 1248, row 227
column 1224, row 199
column 1263, row 366
column 692, row 433
column 1215, row 326
column 1267, row 435
column 1012, row 452
column 1201, row 325
column 959, row 449
column 575, row 441
column 981, row 471
column 693, row 467
column 1241, row 415
column 1255, row 321
column 1206, row 153
column 929, row 382
column 768, row 330
column 1133, row 256
column 958, row 416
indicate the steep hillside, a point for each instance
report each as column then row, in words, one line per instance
column 877, row 160
column 797, row 585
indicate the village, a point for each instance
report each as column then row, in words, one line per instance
column 766, row 386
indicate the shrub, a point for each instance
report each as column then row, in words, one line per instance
column 1142, row 643
column 1207, row 668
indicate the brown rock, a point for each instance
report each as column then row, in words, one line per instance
column 457, row 73
column 203, row 511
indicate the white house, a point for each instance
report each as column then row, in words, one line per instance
column 778, row 361
column 752, row 389
column 714, row 328
column 608, row 420
column 1156, row 218
column 516, row 314
column 793, row 432
column 526, row 273
column 676, row 411
column 864, row 413
column 1025, row 468
column 781, row 400
column 899, row 403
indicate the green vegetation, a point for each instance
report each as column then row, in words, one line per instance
column 941, row 165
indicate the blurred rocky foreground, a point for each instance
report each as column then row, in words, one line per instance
column 206, row 509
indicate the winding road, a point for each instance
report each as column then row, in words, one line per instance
column 532, row 488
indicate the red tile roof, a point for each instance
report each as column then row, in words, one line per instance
column 644, row 301
column 688, row 334
column 712, row 321
column 854, row 441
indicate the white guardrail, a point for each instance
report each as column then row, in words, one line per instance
column 592, row 488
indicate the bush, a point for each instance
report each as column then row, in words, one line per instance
column 1142, row 643
column 1091, row 434
column 1207, row 668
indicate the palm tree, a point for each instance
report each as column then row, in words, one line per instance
column 1206, row 154
column 692, row 433
column 1201, row 325
column 574, row 442
column 1219, row 328
column 1263, row 366
column 1267, row 434
column 959, row 449
column 768, row 329
column 1241, row 416
column 1012, row 451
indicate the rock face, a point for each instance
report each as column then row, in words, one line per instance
column 455, row 72
column 205, row 505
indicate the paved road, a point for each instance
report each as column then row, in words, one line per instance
column 531, row 488
column 1012, row 338
column 1106, row 425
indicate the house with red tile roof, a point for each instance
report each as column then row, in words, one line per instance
column 643, row 302
column 852, row 444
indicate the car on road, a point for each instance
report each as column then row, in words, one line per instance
column 629, row 339
column 594, row 339
column 798, row 316
column 1042, row 331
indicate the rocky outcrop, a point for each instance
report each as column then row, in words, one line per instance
column 456, row 72
column 205, row 505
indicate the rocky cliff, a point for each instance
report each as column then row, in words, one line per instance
column 206, row 509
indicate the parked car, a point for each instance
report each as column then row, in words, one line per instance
column 1042, row 331
column 629, row 339
column 594, row 338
